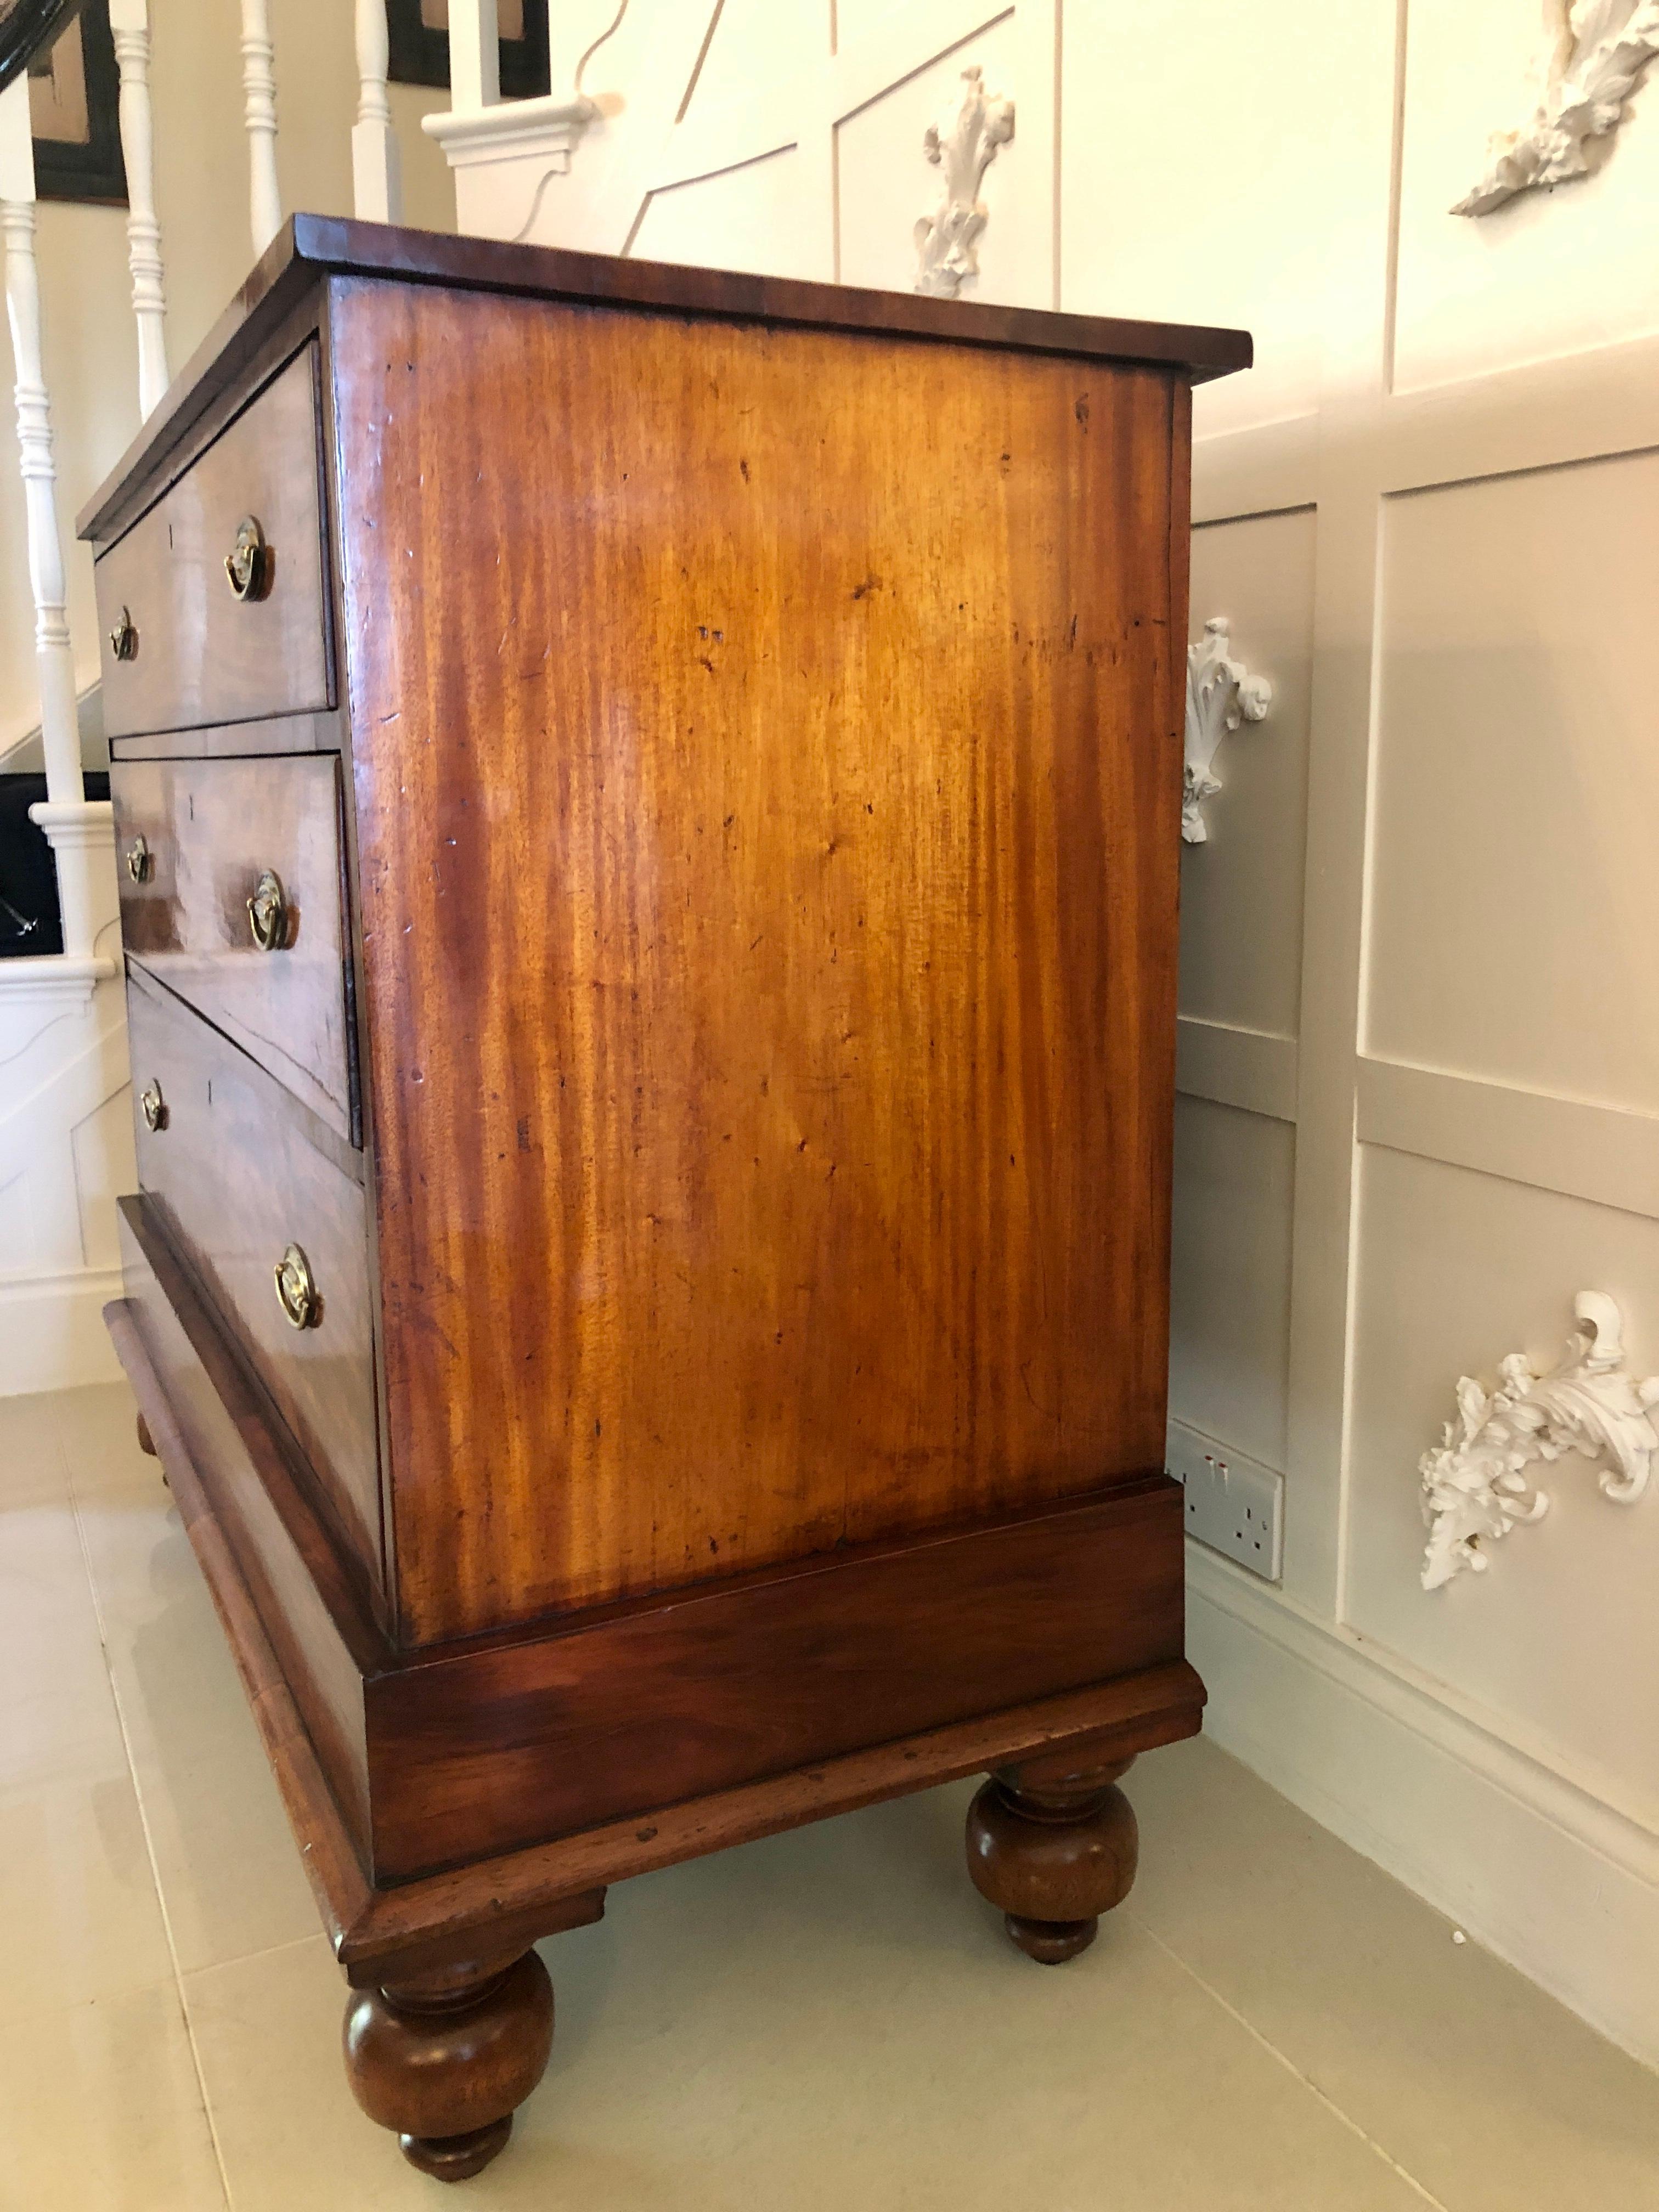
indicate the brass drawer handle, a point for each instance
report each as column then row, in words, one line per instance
column 141, row 866
column 296, row 1290
column 155, row 1106
column 124, row 638
column 247, row 564
column 267, row 913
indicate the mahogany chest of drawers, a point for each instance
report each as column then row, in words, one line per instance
column 648, row 805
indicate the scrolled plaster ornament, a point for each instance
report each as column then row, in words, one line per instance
column 1220, row 695
column 1476, row 1487
column 947, row 241
column 1596, row 52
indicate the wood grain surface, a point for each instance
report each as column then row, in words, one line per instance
column 548, row 1885
column 310, row 248
column 663, row 1703
column 214, row 1435
column 766, row 766
column 212, row 828
column 203, row 655
column 235, row 1174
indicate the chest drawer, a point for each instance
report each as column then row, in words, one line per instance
column 225, row 1159
column 187, row 640
column 233, row 893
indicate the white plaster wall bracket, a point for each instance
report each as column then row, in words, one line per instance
column 1596, row 52
column 947, row 241
column 1221, row 695
column 1477, row 1485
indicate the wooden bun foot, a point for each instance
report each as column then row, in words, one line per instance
column 443, row 2058
column 1054, row 1850
column 457, row 2158
column 1051, row 1943
column 146, row 1441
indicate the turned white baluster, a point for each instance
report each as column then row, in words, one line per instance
column 475, row 55
column 59, row 733
column 76, row 831
column 376, row 181
column 129, row 23
column 259, row 113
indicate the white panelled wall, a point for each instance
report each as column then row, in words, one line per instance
column 1420, row 1046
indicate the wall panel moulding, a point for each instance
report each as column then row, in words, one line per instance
column 1479, row 1484
column 1221, row 694
column 963, row 149
column 1594, row 53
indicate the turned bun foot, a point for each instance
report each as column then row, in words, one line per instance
column 457, row 2158
column 443, row 2058
column 1053, row 1851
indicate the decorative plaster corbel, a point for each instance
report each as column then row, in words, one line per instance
column 1475, row 1486
column 1220, row 695
column 1596, row 52
column 947, row 240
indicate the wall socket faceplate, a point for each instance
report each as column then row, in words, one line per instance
column 1233, row 1503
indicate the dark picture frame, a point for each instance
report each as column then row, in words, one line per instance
column 89, row 169
column 420, row 55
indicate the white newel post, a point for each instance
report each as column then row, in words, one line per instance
column 475, row 56
column 480, row 129
column 78, row 832
column 376, row 181
column 129, row 23
column 259, row 113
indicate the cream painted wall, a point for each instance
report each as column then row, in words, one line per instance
column 202, row 200
column 65, row 1115
column 1420, row 1103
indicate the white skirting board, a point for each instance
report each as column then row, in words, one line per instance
column 52, row 1330
column 1542, row 1870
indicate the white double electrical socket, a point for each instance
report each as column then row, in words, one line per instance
column 1233, row 1504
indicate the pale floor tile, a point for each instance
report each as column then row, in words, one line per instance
column 77, row 1896
column 825, row 2019
column 1486, row 2090
column 31, row 1458
column 59, row 1717
column 229, row 1867
column 103, row 2108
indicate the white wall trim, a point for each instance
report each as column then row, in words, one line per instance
column 52, row 1330
column 53, row 980
column 1555, row 1871
column 1269, row 468
column 1251, row 1069
column 1606, row 1154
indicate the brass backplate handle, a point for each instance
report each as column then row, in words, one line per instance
column 140, row 865
column 153, row 1105
column 124, row 638
column 296, row 1290
column 267, row 913
column 247, row 564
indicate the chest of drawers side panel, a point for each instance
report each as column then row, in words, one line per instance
column 766, row 804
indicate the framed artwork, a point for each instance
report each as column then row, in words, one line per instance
column 73, row 88
column 418, row 40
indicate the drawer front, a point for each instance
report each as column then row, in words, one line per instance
column 200, row 845
column 230, row 1169
column 180, row 647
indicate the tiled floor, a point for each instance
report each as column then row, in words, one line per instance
column 828, row 2020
